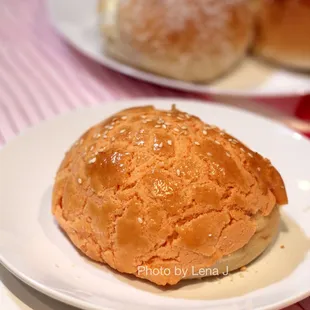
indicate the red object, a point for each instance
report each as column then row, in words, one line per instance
column 303, row 111
column 303, row 108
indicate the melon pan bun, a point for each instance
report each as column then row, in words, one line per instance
column 189, row 40
column 163, row 189
column 282, row 34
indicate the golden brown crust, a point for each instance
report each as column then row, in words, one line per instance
column 192, row 40
column 161, row 188
column 283, row 32
column 266, row 230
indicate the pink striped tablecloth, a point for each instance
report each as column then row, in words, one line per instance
column 41, row 76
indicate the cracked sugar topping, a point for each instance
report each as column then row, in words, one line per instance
column 145, row 185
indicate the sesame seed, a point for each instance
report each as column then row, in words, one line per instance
column 124, row 118
column 148, row 120
column 258, row 169
column 161, row 144
column 140, row 220
column 167, row 124
column 230, row 140
column 108, row 127
column 91, row 161
column 242, row 149
column 187, row 115
column 227, row 154
column 225, row 237
column 176, row 129
column 184, row 127
column 79, row 180
column 112, row 139
column 180, row 118
column 209, row 154
column 169, row 142
column 104, row 136
column 127, row 153
column 113, row 123
column 217, row 142
column 222, row 133
column 178, row 172
column 101, row 150
column 197, row 143
column 141, row 131
column 140, row 142
column 164, row 126
column 81, row 141
column 96, row 153
column 121, row 165
column 143, row 116
column 282, row 186
column 205, row 132
column 114, row 119
column 160, row 121
column 122, row 131
column 210, row 235
column 144, row 121
column 250, row 155
column 92, row 147
column 157, row 126
column 168, row 114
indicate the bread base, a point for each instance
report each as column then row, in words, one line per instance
column 267, row 229
column 173, row 70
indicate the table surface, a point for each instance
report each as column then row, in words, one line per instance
column 41, row 76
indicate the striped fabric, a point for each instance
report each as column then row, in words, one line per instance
column 41, row 76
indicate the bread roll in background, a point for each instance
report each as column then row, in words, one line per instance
column 162, row 189
column 283, row 32
column 189, row 40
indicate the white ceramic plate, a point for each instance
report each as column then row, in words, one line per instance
column 34, row 249
column 77, row 22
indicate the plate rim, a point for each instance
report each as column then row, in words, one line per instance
column 156, row 79
column 101, row 104
column 73, row 301
column 63, row 297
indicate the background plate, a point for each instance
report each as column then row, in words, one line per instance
column 77, row 22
